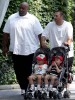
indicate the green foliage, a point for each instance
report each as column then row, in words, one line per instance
column 43, row 9
column 7, row 75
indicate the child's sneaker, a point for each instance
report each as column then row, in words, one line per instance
column 50, row 88
column 31, row 89
column 39, row 89
column 45, row 89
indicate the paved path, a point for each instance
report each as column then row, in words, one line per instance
column 13, row 92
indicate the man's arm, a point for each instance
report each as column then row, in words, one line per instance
column 68, row 42
column 5, row 43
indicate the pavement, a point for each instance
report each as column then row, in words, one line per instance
column 13, row 92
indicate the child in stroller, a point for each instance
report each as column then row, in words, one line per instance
column 39, row 67
column 54, row 71
column 39, row 72
column 58, row 73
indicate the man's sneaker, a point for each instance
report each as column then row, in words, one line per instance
column 22, row 92
column 45, row 89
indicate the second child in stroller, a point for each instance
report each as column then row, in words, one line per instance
column 54, row 71
column 39, row 71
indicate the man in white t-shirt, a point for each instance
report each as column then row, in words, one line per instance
column 24, row 30
column 59, row 32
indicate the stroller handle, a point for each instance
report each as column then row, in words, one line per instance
column 67, row 47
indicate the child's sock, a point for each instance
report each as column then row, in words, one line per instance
column 39, row 87
column 63, row 91
column 32, row 87
column 46, row 86
column 50, row 87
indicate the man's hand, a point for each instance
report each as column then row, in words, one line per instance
column 5, row 51
column 68, row 42
column 65, row 43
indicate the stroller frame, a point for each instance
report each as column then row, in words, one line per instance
column 49, row 54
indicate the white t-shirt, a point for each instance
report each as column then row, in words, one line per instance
column 24, row 31
column 57, row 35
column 40, row 69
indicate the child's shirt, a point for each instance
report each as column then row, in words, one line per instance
column 40, row 69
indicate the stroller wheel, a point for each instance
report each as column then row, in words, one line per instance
column 66, row 94
column 35, row 94
column 54, row 95
column 29, row 96
column 44, row 95
column 50, row 94
column 39, row 95
column 25, row 96
column 59, row 95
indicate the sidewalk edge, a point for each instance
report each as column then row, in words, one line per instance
column 8, row 87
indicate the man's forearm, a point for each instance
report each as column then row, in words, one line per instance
column 5, row 40
column 5, row 43
column 69, row 41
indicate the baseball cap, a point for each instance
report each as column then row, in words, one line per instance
column 60, row 57
column 41, row 57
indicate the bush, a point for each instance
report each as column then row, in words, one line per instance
column 7, row 75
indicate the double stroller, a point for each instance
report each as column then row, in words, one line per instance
column 60, row 83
